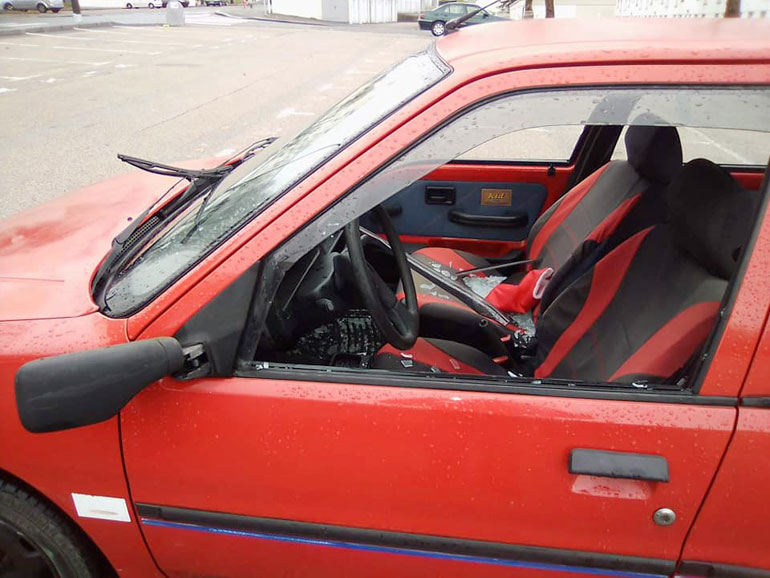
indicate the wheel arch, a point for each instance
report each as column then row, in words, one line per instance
column 8, row 477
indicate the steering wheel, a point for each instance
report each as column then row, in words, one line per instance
column 398, row 322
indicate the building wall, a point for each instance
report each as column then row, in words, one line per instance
column 415, row 6
column 690, row 8
column 336, row 10
column 569, row 9
column 373, row 11
column 301, row 8
column 350, row 11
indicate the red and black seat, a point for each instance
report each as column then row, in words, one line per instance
column 645, row 309
column 592, row 210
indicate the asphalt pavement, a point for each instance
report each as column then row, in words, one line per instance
column 73, row 99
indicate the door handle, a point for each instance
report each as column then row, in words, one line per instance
column 435, row 195
column 618, row 465
column 513, row 221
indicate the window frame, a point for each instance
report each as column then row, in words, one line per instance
column 274, row 269
column 576, row 150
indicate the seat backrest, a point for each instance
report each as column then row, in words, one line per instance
column 599, row 202
column 642, row 311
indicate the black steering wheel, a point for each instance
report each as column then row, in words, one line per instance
column 399, row 323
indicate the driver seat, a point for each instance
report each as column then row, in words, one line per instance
column 644, row 310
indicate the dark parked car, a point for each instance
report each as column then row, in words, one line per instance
column 436, row 20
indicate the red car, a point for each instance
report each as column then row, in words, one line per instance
column 500, row 312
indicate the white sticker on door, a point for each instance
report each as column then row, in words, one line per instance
column 101, row 507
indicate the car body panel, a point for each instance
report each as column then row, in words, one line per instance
column 32, row 4
column 335, row 454
column 734, row 524
column 78, row 232
column 88, row 460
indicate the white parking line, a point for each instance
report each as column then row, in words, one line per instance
column 18, row 78
column 20, row 59
column 293, row 112
column 57, row 36
column 102, row 39
column 20, row 44
column 112, row 50
column 708, row 140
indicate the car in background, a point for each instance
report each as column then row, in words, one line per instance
column 215, row 2
column 41, row 6
column 436, row 20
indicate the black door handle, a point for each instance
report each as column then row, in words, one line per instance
column 513, row 221
column 618, row 465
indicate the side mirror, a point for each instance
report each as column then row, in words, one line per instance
column 88, row 387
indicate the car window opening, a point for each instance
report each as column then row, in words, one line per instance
column 621, row 280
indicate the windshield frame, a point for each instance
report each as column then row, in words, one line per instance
column 107, row 281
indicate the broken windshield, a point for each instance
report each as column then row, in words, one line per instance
column 256, row 183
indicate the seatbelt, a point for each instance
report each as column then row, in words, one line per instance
column 494, row 267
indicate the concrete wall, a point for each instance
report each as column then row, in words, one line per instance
column 301, row 8
column 690, row 8
column 336, row 10
column 372, row 11
column 569, row 9
column 415, row 6
column 350, row 11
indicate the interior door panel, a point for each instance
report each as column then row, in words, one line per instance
column 487, row 209
column 466, row 209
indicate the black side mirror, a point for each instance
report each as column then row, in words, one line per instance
column 88, row 387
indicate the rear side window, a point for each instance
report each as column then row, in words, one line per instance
column 549, row 144
column 720, row 145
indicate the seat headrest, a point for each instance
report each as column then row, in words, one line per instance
column 711, row 215
column 654, row 151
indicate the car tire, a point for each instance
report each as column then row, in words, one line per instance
column 8, row 6
column 55, row 10
column 42, row 8
column 438, row 28
column 151, row 6
column 37, row 540
column 129, row 5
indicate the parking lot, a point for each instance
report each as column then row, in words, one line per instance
column 74, row 99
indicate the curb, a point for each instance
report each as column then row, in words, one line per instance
column 51, row 27
column 266, row 19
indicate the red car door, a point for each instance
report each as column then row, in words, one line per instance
column 277, row 475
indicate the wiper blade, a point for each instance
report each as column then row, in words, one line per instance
column 253, row 148
column 456, row 22
column 171, row 171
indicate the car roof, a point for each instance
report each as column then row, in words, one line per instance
column 523, row 43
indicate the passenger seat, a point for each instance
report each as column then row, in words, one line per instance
column 591, row 209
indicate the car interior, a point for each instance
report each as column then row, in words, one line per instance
column 610, row 265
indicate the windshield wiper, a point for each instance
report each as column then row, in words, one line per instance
column 457, row 22
column 171, row 171
column 200, row 180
